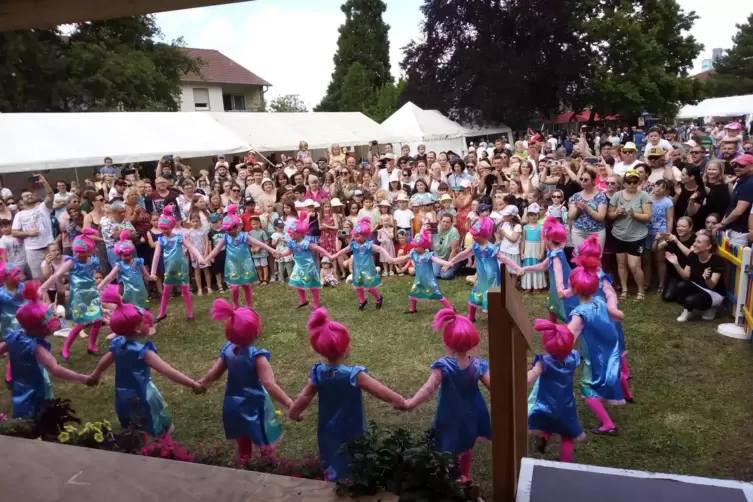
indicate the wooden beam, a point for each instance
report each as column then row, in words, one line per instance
column 26, row 14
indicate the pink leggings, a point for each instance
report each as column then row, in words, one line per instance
column 372, row 291
column 167, row 291
column 245, row 449
column 247, row 292
column 414, row 304
column 314, row 295
column 73, row 334
column 566, row 448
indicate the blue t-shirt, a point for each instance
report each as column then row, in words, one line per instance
column 659, row 215
column 743, row 191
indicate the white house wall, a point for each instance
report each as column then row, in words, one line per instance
column 215, row 97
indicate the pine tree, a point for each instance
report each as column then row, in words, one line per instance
column 734, row 70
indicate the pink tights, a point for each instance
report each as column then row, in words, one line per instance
column 8, row 374
column 247, row 292
column 372, row 291
column 314, row 296
column 598, row 409
column 566, row 447
column 624, row 376
column 167, row 291
column 472, row 312
column 73, row 334
column 414, row 304
column 245, row 448
column 464, row 464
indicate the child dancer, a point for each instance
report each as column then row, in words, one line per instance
column 84, row 302
column 365, row 275
column 30, row 356
column 341, row 413
column 11, row 299
column 248, row 413
column 134, row 361
column 559, row 304
column 239, row 266
column 551, row 405
column 130, row 271
column 425, row 286
column 305, row 272
column 462, row 415
column 170, row 247
column 533, row 251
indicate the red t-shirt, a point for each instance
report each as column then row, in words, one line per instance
column 405, row 248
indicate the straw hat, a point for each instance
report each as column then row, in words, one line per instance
column 385, row 203
column 335, row 202
column 402, row 197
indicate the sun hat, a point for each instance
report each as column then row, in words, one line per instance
column 465, row 184
column 655, row 151
column 533, row 208
column 266, row 180
column 309, row 202
column 402, row 197
column 630, row 146
column 385, row 203
column 335, row 202
column 445, row 197
column 298, row 204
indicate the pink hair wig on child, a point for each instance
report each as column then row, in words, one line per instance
column 35, row 317
column 166, row 221
column 124, row 245
column 242, row 326
column 557, row 338
column 363, row 227
column 8, row 270
column 301, row 225
column 458, row 332
column 423, row 240
column 127, row 318
column 328, row 338
column 554, row 230
column 83, row 243
column 483, row 227
column 584, row 280
column 231, row 219
column 589, row 247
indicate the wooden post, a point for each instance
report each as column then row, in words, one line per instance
column 510, row 333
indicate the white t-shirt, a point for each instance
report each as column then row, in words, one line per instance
column 35, row 219
column 14, row 249
column 403, row 218
column 657, row 174
column 666, row 146
column 61, row 198
column 621, row 168
column 552, row 143
column 507, row 246
column 384, row 179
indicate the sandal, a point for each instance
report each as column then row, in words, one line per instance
column 624, row 295
column 659, row 291
column 640, row 297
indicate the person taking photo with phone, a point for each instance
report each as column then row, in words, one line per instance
column 33, row 224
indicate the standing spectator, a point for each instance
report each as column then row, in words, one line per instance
column 4, row 192
column 111, row 226
column 141, row 221
column 735, row 221
column 588, row 210
column 33, row 224
column 117, row 190
column 696, row 155
column 185, row 199
column 314, row 191
column 162, row 196
column 93, row 219
column 14, row 248
column 446, row 245
column 60, row 200
column 628, row 161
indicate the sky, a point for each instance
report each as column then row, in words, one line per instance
column 291, row 43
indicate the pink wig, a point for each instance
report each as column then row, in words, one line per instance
column 554, row 230
column 127, row 318
column 363, row 227
column 231, row 219
column 557, row 338
column 458, row 332
column 10, row 271
column 483, row 227
column 124, row 245
column 584, row 280
column 242, row 326
column 83, row 243
column 423, row 240
column 589, row 247
column 166, row 221
column 328, row 338
column 301, row 225
column 35, row 317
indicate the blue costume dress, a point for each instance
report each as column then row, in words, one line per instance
column 462, row 415
column 365, row 274
column 559, row 307
column 305, row 274
column 600, row 348
column 176, row 264
column 247, row 410
column 551, row 404
column 425, row 286
column 9, row 305
column 84, row 302
column 600, row 294
column 487, row 273
column 134, row 391
column 341, row 414
column 134, row 289
column 31, row 383
column 239, row 266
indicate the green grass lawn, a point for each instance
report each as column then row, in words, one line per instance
column 692, row 413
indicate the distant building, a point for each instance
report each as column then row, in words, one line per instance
column 221, row 85
column 716, row 54
column 704, row 75
column 707, row 65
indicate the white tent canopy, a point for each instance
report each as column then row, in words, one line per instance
column 413, row 126
column 732, row 106
column 494, row 130
column 44, row 141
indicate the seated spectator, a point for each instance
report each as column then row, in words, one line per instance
column 446, row 245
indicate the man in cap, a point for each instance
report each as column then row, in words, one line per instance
column 735, row 221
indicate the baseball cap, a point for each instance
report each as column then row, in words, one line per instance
column 446, row 197
column 220, row 155
column 309, row 202
column 691, row 143
column 510, row 210
column 655, row 151
column 632, row 174
column 357, row 193
column 533, row 208
column 214, row 218
column 465, row 184
column 630, row 146
column 733, row 126
column 250, row 200
column 279, row 223
column 743, row 160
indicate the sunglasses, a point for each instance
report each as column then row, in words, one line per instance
column 344, row 173
column 585, row 180
column 696, row 152
column 99, row 199
column 556, row 196
column 631, row 182
column 235, row 190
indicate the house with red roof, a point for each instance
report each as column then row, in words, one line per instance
column 221, row 85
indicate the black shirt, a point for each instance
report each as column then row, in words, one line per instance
column 743, row 191
column 681, row 206
column 717, row 200
column 715, row 263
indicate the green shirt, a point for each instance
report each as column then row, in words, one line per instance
column 625, row 228
column 442, row 241
column 259, row 235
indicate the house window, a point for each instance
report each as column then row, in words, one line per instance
column 201, row 99
column 234, row 102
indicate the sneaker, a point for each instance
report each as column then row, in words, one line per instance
column 392, row 273
column 349, row 279
column 684, row 317
column 379, row 269
column 709, row 314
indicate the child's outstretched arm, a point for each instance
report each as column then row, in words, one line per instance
column 440, row 261
column 3, row 348
column 378, row 389
column 400, row 259
column 67, row 265
column 49, row 363
column 260, row 244
column 558, row 277
column 423, row 395
column 343, row 251
column 192, row 249
column 539, row 267
column 102, row 366
column 109, row 278
column 302, row 402
column 614, row 312
column 535, row 372
column 214, row 373
column 157, row 364
column 575, row 326
column 155, row 260
column 217, row 249
column 320, row 250
column 463, row 255
column 267, row 378
column 145, row 274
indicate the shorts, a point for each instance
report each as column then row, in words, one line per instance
column 634, row 248
column 260, row 262
column 650, row 238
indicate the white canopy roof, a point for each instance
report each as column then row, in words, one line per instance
column 43, row 141
column 488, row 130
column 719, row 107
column 412, row 123
column 283, row 131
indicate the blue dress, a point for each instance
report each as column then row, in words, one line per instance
column 31, row 383
column 462, row 415
column 239, row 267
column 600, row 294
column 134, row 391
column 487, row 273
column 551, row 404
column 9, row 305
column 559, row 307
column 176, row 264
column 601, row 352
column 305, row 274
column 84, row 302
column 247, row 410
column 134, row 289
column 341, row 414
column 365, row 274
column 425, row 286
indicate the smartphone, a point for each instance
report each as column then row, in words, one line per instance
column 33, row 179
column 662, row 235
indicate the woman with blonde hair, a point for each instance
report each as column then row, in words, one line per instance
column 336, row 154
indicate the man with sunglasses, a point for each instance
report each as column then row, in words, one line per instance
column 629, row 160
column 735, row 222
column 696, row 154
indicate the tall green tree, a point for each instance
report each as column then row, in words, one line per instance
column 734, row 70
column 385, row 102
column 287, row 103
column 363, row 40
column 117, row 65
